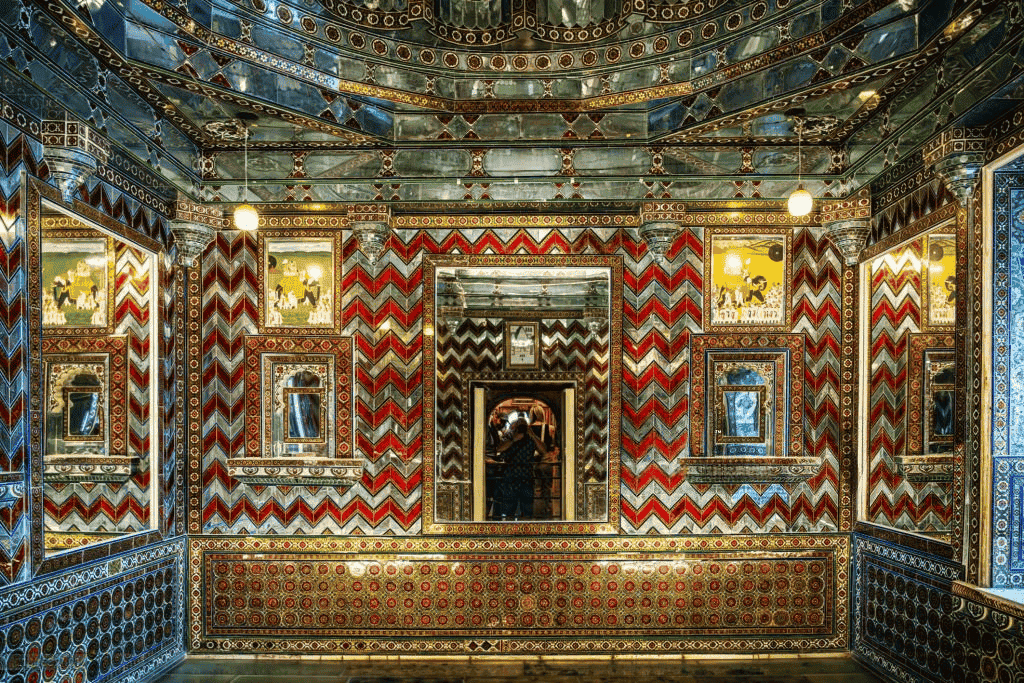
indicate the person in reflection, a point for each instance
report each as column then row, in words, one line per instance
column 517, row 481
column 545, row 465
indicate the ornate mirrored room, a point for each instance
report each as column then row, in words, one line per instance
column 460, row 334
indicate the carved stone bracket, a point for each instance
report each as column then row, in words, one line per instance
column 847, row 223
column 750, row 470
column 72, row 468
column 957, row 155
column 849, row 237
column 73, row 152
column 659, row 236
column 296, row 471
column 927, row 468
column 194, row 226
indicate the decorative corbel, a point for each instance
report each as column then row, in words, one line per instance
column 957, row 155
column 194, row 226
column 73, row 152
column 847, row 223
column 659, row 227
column 371, row 227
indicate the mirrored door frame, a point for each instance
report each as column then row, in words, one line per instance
column 39, row 196
column 610, row 525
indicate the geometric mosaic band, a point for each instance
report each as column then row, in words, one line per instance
column 553, row 595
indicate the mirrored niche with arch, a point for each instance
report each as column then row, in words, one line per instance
column 521, row 394
column 95, row 339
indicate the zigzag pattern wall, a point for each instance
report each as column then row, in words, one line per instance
column 896, row 286
column 170, row 321
column 662, row 308
column 18, row 153
column 912, row 200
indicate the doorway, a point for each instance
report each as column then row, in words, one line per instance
column 534, row 481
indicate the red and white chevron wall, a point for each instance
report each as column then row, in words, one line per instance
column 662, row 308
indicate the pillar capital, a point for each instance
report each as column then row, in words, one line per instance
column 659, row 235
column 957, row 155
column 194, row 225
column 73, row 152
column 847, row 223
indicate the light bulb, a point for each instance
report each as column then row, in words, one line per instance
column 800, row 202
column 246, row 217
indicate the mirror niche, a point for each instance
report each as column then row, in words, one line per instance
column 913, row 404
column 523, row 432
column 99, row 369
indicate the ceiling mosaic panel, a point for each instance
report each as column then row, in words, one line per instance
column 611, row 93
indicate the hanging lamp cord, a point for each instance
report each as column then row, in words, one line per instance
column 245, row 197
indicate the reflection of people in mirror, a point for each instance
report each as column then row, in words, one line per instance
column 517, row 480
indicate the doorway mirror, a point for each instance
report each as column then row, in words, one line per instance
column 910, row 296
column 524, row 452
column 522, row 433
column 98, row 330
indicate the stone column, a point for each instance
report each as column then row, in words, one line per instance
column 957, row 156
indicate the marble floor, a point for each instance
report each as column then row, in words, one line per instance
column 530, row 670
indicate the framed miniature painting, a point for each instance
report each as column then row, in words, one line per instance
column 299, row 286
column 747, row 276
column 522, row 345
column 77, row 272
column 940, row 281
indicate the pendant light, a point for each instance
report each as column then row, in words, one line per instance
column 801, row 201
column 246, row 216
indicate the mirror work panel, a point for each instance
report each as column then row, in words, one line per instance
column 521, row 432
column 97, row 322
column 911, row 370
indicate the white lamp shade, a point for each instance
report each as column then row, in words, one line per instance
column 800, row 202
column 246, row 217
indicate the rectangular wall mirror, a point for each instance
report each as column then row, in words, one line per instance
column 98, row 327
column 524, row 428
column 908, row 383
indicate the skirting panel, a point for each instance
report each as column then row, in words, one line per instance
column 112, row 621
column 915, row 622
column 547, row 595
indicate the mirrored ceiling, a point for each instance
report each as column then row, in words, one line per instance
column 498, row 101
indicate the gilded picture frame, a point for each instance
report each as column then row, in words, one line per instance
column 77, row 269
column 522, row 345
column 938, row 279
column 747, row 279
column 299, row 283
